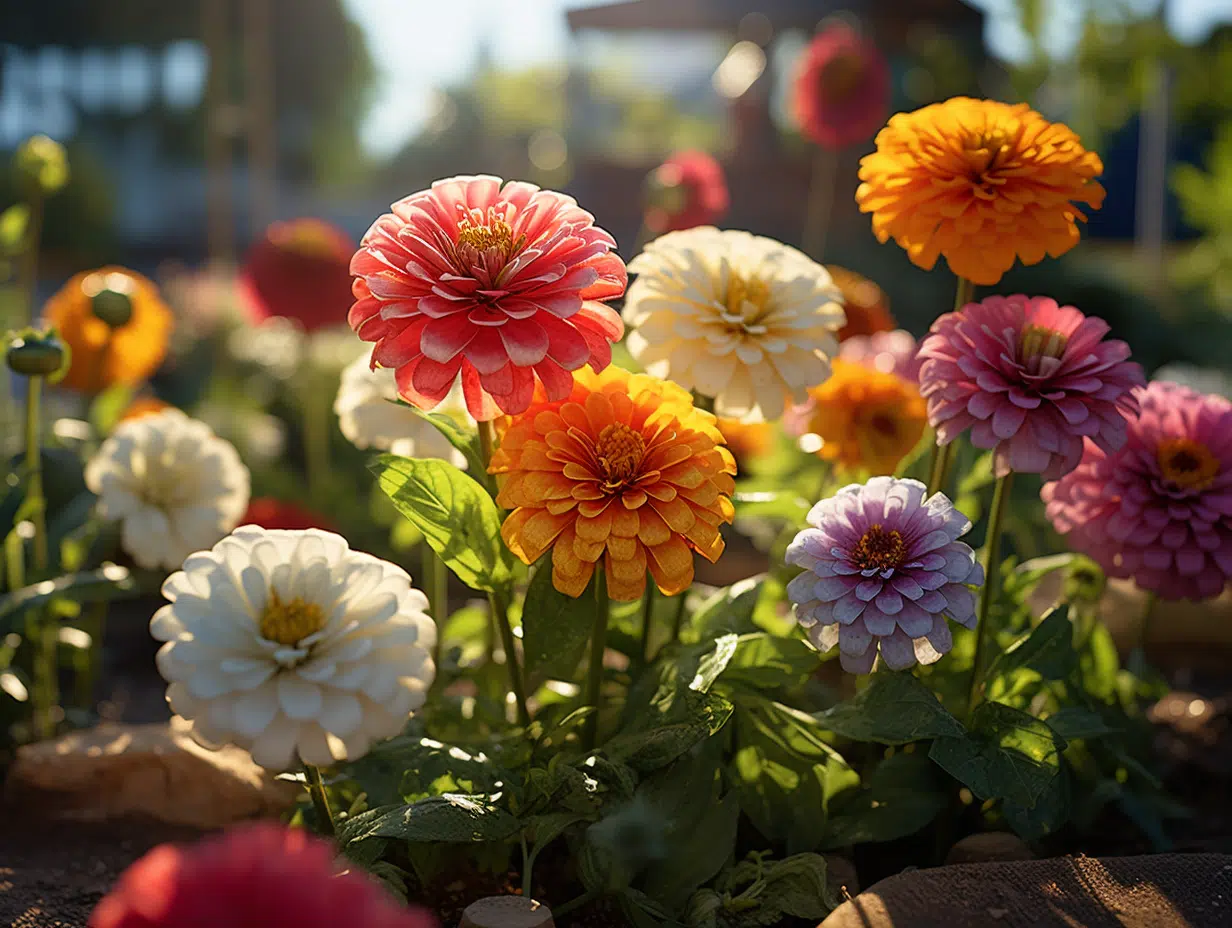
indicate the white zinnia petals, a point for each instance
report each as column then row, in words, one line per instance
column 741, row 318
column 370, row 416
column 293, row 646
column 174, row 485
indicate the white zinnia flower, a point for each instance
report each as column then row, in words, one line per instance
column 293, row 646
column 175, row 486
column 741, row 318
column 370, row 417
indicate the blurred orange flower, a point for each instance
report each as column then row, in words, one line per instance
column 144, row 406
column 746, row 440
column 867, row 419
column 625, row 472
column 866, row 305
column 979, row 183
column 126, row 351
column 300, row 270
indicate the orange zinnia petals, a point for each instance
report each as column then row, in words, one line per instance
column 979, row 183
column 102, row 355
column 624, row 469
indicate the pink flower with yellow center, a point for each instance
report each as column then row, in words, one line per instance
column 842, row 89
column 501, row 287
column 1158, row 510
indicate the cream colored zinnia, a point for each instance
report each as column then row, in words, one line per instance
column 174, row 486
column 734, row 316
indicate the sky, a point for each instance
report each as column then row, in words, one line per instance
column 421, row 45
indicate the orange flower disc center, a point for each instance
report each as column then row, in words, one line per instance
column 290, row 622
column 1037, row 342
column 1187, row 463
column 619, row 451
column 984, row 154
column 879, row 549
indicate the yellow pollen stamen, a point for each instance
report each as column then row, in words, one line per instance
column 290, row 622
column 879, row 549
column 1187, row 463
column 746, row 301
column 1037, row 342
column 620, row 450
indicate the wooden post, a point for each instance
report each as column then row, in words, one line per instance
column 220, row 228
column 260, row 119
column 507, row 912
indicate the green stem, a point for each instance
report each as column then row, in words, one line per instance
column 317, row 416
column 575, row 903
column 29, row 258
column 1144, row 626
column 34, row 470
column 500, row 612
column 939, row 468
column 703, row 402
column 436, row 586
column 487, row 441
column 320, row 800
column 648, row 602
column 95, row 625
column 992, row 547
column 42, row 627
column 963, row 294
column 598, row 646
column 820, row 203
column 678, row 620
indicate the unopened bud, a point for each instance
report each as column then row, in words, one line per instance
column 41, row 161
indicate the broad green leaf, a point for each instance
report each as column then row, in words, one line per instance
column 797, row 886
column 894, row 708
column 902, row 796
column 1008, row 754
column 456, row 515
column 766, row 661
column 544, row 829
column 1074, row 723
column 107, row 583
column 729, row 610
column 788, row 506
column 1048, row 649
column 555, row 627
column 410, row 767
column 644, row 912
column 458, row 435
column 711, row 842
column 451, row 818
column 653, row 748
column 1050, row 811
column 714, row 663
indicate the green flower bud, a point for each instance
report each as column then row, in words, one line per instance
column 1084, row 581
column 114, row 307
column 34, row 354
column 41, row 161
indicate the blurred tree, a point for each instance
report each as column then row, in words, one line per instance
column 1206, row 199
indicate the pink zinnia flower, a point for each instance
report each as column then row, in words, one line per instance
column 500, row 286
column 883, row 567
column 1159, row 510
column 842, row 90
column 253, row 876
column 1030, row 379
column 686, row 190
column 889, row 352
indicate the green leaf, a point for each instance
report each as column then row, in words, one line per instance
column 895, row 708
column 797, row 886
column 657, row 747
column 711, row 842
column 713, row 663
column 788, row 506
column 450, row 817
column 407, row 766
column 456, row 515
column 765, row 661
column 1008, row 754
column 108, row 406
column 1074, row 723
column 555, row 627
column 107, row 583
column 901, row 797
column 460, row 437
column 1050, row 811
column 1048, row 649
column 729, row 610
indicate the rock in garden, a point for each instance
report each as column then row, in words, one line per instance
column 989, row 847
column 155, row 771
column 507, row 912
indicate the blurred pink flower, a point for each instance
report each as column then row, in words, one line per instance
column 686, row 190
column 1030, row 379
column 842, row 89
column 1159, row 510
column 502, row 287
column 298, row 270
column 889, row 352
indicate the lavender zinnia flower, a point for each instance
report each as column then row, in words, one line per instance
column 883, row 567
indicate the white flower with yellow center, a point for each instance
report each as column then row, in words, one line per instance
column 370, row 416
column 741, row 318
column 293, row 646
column 174, row 486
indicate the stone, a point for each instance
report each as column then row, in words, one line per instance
column 153, row 771
column 507, row 912
column 987, row 847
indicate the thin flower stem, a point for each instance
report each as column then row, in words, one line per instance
column 576, row 903
column 436, row 586
column 317, row 423
column 678, row 621
column 992, row 547
column 43, row 628
column 598, row 645
column 820, row 203
column 648, row 603
column 487, row 441
column 34, row 471
column 942, row 456
column 320, row 801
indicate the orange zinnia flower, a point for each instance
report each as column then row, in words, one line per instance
column 746, row 440
column 624, row 469
column 866, row 305
column 868, row 419
column 144, row 406
column 105, row 354
column 979, row 183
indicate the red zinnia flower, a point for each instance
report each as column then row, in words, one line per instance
column 1160, row 509
column 686, row 190
column 842, row 90
column 1030, row 379
column 299, row 270
column 254, row 876
column 268, row 512
column 500, row 286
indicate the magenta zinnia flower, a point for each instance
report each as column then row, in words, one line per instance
column 502, row 287
column 1159, row 510
column 687, row 190
column 883, row 567
column 889, row 352
column 1030, row 379
column 841, row 95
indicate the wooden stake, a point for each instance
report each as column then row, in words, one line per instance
column 507, row 912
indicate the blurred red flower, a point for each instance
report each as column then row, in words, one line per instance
column 842, row 91
column 254, row 876
column 300, row 270
column 268, row 512
column 687, row 190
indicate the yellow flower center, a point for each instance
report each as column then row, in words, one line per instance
column 1037, row 342
column 620, row 450
column 747, row 302
column 879, row 549
column 1187, row 463
column 984, row 150
column 841, row 76
column 291, row 622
